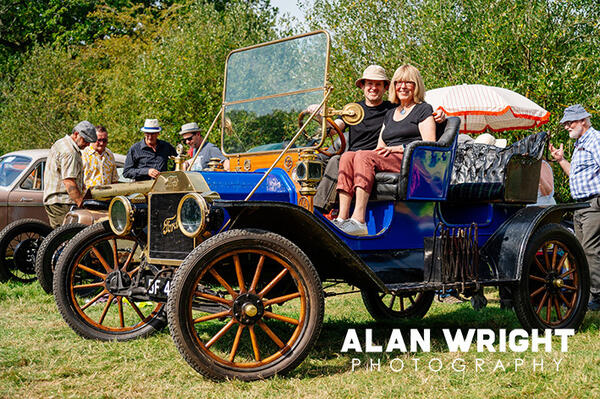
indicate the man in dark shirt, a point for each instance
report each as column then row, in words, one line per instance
column 148, row 157
column 363, row 136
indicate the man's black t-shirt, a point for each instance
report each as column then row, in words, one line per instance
column 407, row 130
column 364, row 136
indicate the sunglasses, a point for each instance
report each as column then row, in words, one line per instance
column 102, row 141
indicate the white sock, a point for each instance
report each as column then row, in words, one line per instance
column 339, row 219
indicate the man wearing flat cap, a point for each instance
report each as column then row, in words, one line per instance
column 191, row 135
column 63, row 177
column 148, row 157
column 584, row 180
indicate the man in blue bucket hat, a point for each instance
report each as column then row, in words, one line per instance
column 584, row 180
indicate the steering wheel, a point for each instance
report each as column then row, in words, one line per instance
column 332, row 131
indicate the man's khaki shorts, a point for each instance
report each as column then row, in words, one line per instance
column 56, row 213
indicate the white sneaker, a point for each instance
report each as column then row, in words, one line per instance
column 338, row 222
column 354, row 228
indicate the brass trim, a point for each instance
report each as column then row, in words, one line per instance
column 203, row 210
column 128, row 212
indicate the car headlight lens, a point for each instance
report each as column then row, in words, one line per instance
column 191, row 214
column 120, row 215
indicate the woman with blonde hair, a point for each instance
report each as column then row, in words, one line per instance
column 411, row 120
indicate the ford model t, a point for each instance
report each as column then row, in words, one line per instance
column 236, row 261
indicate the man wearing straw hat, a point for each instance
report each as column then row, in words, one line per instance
column 584, row 180
column 148, row 157
column 191, row 135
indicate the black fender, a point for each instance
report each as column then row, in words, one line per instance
column 505, row 250
column 332, row 258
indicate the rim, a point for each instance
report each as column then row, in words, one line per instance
column 553, row 284
column 19, row 256
column 256, row 323
column 88, row 285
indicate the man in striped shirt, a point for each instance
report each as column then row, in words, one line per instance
column 584, row 180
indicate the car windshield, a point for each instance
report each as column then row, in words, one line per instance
column 266, row 88
column 11, row 166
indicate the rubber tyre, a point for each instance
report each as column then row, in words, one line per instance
column 83, row 321
column 381, row 310
column 47, row 255
column 32, row 229
column 571, row 291
column 279, row 254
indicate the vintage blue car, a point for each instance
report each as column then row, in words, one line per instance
column 236, row 261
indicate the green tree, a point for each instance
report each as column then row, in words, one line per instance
column 171, row 69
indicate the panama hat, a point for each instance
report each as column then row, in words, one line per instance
column 151, row 126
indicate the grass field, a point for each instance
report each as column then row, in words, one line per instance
column 40, row 357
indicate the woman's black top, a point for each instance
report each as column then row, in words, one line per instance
column 406, row 130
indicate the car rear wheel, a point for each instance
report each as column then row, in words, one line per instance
column 19, row 243
column 397, row 305
column 246, row 304
column 50, row 250
column 554, row 288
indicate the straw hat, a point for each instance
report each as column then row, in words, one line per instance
column 373, row 72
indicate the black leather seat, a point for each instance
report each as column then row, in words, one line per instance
column 488, row 173
column 393, row 186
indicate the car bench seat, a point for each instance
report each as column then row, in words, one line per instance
column 426, row 169
column 487, row 173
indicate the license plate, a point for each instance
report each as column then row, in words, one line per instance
column 159, row 287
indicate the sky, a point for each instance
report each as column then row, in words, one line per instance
column 288, row 6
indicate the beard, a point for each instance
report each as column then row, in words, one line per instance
column 574, row 134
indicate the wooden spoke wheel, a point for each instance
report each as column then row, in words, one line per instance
column 92, row 283
column 397, row 305
column 19, row 243
column 554, row 288
column 245, row 304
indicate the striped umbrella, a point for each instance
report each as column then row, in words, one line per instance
column 482, row 108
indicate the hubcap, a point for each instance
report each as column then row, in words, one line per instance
column 248, row 308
